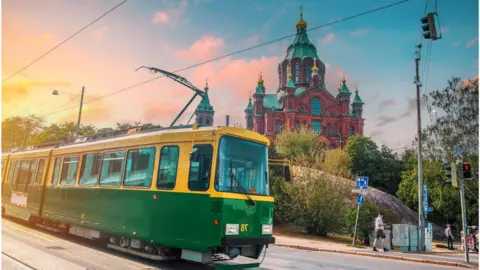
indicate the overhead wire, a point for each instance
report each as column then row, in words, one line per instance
column 237, row 52
column 64, row 41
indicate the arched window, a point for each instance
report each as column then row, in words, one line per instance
column 207, row 121
column 315, row 106
column 278, row 127
column 200, row 120
column 351, row 131
column 334, row 130
column 297, row 126
column 328, row 130
column 297, row 71
column 308, row 70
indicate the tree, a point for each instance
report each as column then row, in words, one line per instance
column 62, row 132
column 382, row 167
column 337, row 163
column 16, row 130
column 301, row 147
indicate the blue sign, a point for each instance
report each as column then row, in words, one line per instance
column 360, row 199
column 430, row 209
column 362, row 182
column 458, row 151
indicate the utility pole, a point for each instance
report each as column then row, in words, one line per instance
column 461, row 181
column 421, row 221
column 80, row 112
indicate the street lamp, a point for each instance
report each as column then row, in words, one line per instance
column 77, row 130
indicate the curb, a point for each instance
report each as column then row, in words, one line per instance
column 398, row 258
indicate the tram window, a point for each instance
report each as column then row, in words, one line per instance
column 167, row 170
column 90, row 169
column 69, row 171
column 31, row 173
column 200, row 168
column 17, row 171
column 11, row 170
column 41, row 165
column 112, row 167
column 56, row 170
column 139, row 171
column 23, row 174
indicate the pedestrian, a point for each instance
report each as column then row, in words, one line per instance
column 379, row 232
column 449, row 235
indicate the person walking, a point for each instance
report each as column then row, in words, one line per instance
column 379, row 232
column 449, row 235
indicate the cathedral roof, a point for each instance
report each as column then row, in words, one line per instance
column 271, row 101
column 249, row 106
column 357, row 99
column 344, row 88
column 205, row 105
column 301, row 46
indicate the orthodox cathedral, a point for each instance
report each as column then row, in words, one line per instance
column 301, row 98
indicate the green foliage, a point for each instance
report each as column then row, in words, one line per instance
column 301, row 147
column 337, row 163
column 366, row 220
column 319, row 203
column 16, row 130
column 383, row 167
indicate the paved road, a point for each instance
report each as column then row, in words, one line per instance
column 27, row 248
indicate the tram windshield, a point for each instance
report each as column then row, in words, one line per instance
column 244, row 163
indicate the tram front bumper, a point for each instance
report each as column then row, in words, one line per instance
column 229, row 242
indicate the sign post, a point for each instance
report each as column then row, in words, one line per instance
column 361, row 183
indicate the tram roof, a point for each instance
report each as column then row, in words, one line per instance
column 162, row 136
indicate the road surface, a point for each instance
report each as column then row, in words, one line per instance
column 32, row 248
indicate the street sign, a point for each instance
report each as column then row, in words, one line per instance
column 360, row 199
column 458, row 151
column 362, row 182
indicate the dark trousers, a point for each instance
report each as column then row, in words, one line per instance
column 450, row 242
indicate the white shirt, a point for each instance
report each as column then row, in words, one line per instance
column 378, row 223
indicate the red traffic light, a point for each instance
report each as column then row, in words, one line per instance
column 467, row 173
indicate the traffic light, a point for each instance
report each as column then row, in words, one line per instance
column 451, row 173
column 428, row 26
column 467, row 171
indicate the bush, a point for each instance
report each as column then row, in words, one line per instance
column 318, row 203
column 366, row 220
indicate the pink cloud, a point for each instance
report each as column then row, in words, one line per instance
column 98, row 33
column 205, row 48
column 328, row 38
column 359, row 32
column 472, row 42
column 160, row 17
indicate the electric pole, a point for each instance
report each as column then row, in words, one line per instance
column 80, row 112
column 421, row 221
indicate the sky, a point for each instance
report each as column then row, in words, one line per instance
column 375, row 52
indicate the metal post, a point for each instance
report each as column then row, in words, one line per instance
column 421, row 221
column 356, row 222
column 80, row 112
column 227, row 120
column 461, row 182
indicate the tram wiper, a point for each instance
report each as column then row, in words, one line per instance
column 232, row 176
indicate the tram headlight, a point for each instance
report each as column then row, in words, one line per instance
column 231, row 229
column 267, row 229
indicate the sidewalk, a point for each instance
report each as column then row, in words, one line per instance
column 441, row 257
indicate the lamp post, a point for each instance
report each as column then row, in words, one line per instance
column 77, row 130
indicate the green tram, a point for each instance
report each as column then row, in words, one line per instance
column 194, row 193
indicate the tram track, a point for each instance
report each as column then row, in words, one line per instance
column 18, row 261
